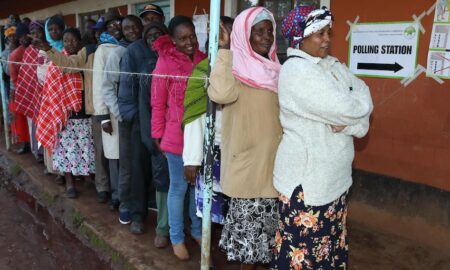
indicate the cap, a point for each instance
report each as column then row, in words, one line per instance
column 152, row 8
column 100, row 24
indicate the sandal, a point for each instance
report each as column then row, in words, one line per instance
column 60, row 180
column 71, row 193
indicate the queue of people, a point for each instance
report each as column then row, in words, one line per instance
column 124, row 106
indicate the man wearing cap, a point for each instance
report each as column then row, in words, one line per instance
column 151, row 13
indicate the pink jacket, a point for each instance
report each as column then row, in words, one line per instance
column 167, row 93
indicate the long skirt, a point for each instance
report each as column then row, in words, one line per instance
column 219, row 207
column 75, row 150
column 311, row 237
column 19, row 126
column 248, row 235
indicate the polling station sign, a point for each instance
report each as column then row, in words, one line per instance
column 387, row 50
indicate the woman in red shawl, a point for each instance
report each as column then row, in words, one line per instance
column 63, row 122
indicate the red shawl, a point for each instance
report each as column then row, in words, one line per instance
column 28, row 89
column 61, row 96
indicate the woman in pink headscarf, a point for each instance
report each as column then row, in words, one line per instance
column 244, row 80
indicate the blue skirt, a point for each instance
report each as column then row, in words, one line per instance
column 219, row 207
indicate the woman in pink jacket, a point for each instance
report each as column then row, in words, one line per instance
column 178, row 54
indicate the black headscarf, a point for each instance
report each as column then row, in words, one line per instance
column 161, row 26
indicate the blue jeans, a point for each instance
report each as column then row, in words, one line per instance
column 175, row 201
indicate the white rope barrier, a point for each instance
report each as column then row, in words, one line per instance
column 111, row 71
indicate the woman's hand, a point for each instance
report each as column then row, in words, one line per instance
column 190, row 172
column 337, row 129
column 157, row 142
column 224, row 38
column 107, row 127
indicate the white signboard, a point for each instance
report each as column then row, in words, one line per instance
column 387, row 50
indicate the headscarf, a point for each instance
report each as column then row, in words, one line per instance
column 11, row 31
column 22, row 29
column 105, row 37
column 248, row 66
column 57, row 44
column 316, row 20
column 100, row 24
column 161, row 26
column 58, row 20
column 36, row 24
column 291, row 25
column 262, row 16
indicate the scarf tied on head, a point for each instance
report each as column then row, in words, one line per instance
column 304, row 21
column 248, row 66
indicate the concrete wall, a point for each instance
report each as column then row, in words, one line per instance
column 80, row 6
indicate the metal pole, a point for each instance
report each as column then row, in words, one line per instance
column 209, row 139
column 4, row 103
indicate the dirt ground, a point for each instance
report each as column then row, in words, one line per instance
column 29, row 241
column 35, row 241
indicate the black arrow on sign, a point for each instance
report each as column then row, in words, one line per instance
column 377, row 66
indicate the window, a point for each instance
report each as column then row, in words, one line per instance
column 279, row 8
column 94, row 15
column 164, row 4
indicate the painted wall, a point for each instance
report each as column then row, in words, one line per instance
column 187, row 8
column 70, row 20
column 409, row 136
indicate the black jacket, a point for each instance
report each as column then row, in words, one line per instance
column 134, row 101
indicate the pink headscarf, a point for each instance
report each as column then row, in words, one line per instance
column 248, row 66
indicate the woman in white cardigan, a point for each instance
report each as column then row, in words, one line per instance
column 322, row 107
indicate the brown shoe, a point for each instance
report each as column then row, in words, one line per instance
column 161, row 241
column 180, row 251
column 198, row 241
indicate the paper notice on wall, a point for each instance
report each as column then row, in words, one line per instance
column 439, row 64
column 441, row 11
column 201, row 29
column 387, row 50
column 439, row 53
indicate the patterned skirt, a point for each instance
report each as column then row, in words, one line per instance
column 311, row 237
column 219, row 207
column 248, row 235
column 75, row 150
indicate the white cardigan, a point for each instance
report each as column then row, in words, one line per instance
column 315, row 93
column 194, row 135
column 110, row 142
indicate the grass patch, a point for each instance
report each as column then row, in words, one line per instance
column 100, row 245
column 15, row 170
column 47, row 198
column 78, row 219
